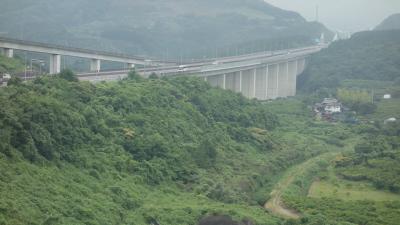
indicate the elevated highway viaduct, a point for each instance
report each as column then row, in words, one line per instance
column 56, row 52
column 263, row 75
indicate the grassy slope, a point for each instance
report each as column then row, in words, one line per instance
column 349, row 191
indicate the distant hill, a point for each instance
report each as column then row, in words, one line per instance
column 372, row 55
column 390, row 23
column 160, row 28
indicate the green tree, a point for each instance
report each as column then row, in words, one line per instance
column 68, row 75
column 133, row 75
column 15, row 80
column 153, row 76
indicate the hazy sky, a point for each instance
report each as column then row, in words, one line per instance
column 346, row 15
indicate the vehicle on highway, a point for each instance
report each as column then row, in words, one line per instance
column 182, row 68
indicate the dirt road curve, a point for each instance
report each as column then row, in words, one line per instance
column 275, row 204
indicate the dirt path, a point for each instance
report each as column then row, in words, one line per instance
column 275, row 204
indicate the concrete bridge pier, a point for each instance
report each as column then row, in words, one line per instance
column 216, row 81
column 232, row 81
column 283, row 79
column 272, row 81
column 55, row 64
column 248, row 83
column 261, row 83
column 292, row 77
column 130, row 66
column 265, row 82
column 8, row 52
column 95, row 65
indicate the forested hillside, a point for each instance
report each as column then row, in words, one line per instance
column 360, row 185
column 391, row 23
column 137, row 151
column 370, row 56
column 164, row 29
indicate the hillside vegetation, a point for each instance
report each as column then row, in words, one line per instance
column 165, row 29
column 360, row 185
column 390, row 23
column 10, row 65
column 170, row 151
column 367, row 56
column 137, row 151
column 166, row 151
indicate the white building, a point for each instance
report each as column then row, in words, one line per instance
column 390, row 120
column 333, row 108
column 387, row 96
column 332, row 105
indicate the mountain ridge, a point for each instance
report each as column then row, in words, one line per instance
column 390, row 23
column 172, row 28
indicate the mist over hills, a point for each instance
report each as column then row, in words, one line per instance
column 159, row 28
column 390, row 23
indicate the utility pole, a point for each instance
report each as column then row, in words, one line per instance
column 317, row 13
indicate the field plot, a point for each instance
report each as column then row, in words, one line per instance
column 349, row 190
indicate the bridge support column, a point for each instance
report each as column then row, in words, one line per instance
column 261, row 83
column 248, row 83
column 254, row 83
column 224, row 82
column 131, row 66
column 232, row 81
column 55, row 64
column 240, row 81
column 266, row 82
column 95, row 65
column 9, row 52
column 216, row 80
column 287, row 84
column 276, row 94
column 283, row 79
column 272, row 81
column 292, row 78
